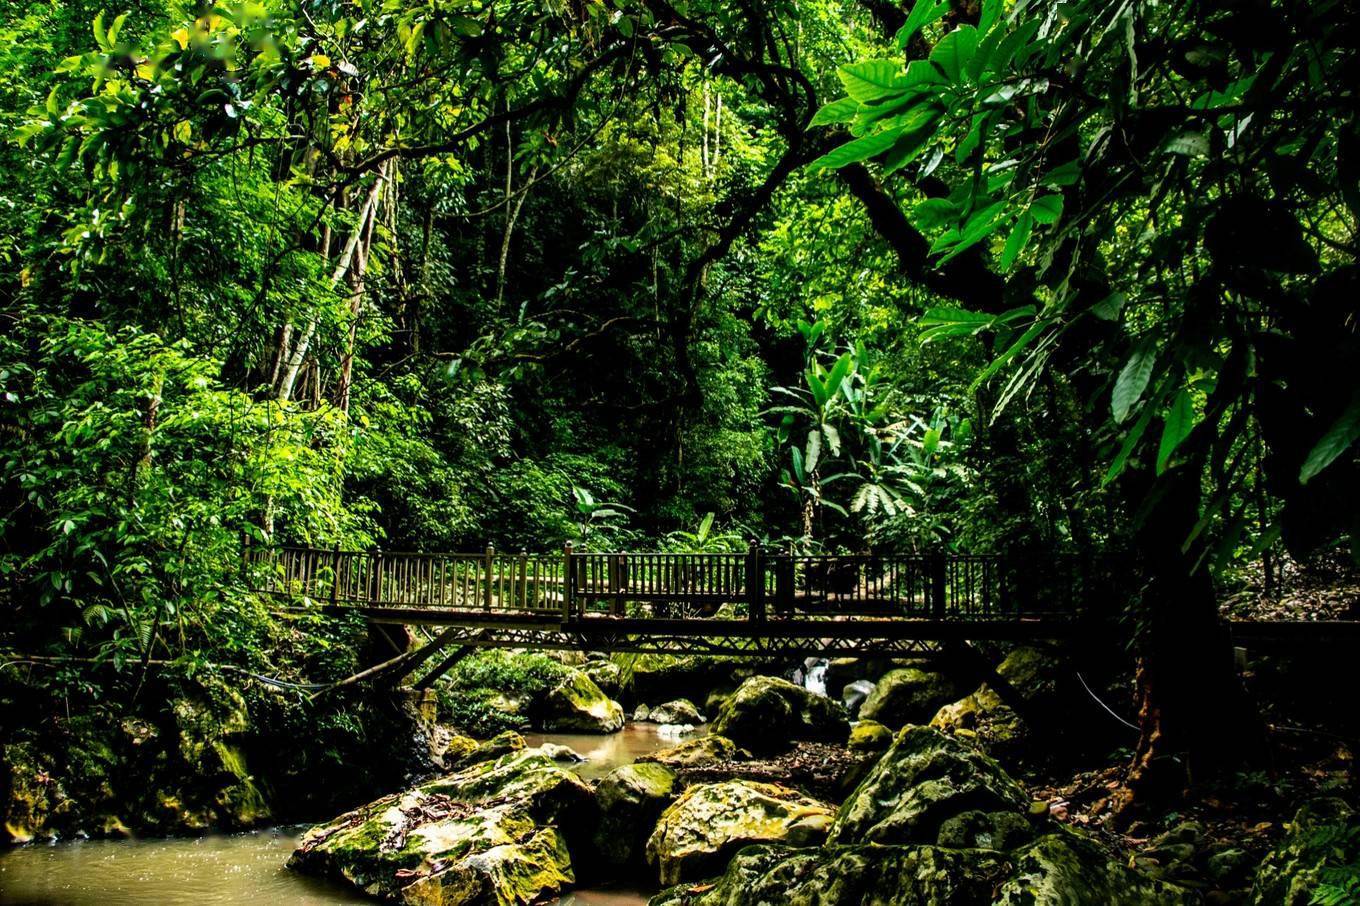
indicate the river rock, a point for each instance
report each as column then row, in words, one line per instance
column 486, row 750
column 1055, row 870
column 709, row 822
column 493, row 833
column 576, row 705
column 855, row 694
column 631, row 799
column 909, row 695
column 659, row 677
column 694, row 753
column 767, row 714
column 1035, row 675
column 211, row 723
column 924, row 779
column 605, row 674
column 869, row 736
column 990, row 723
column 679, row 711
column 1324, row 832
column 561, row 754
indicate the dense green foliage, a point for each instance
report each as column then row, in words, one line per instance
column 1067, row 278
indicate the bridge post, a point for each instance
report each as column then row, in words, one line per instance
column 939, row 587
column 568, row 583
column 335, row 574
column 755, row 583
column 490, row 565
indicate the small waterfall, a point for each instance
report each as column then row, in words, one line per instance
column 814, row 675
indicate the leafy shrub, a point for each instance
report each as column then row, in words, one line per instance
column 475, row 694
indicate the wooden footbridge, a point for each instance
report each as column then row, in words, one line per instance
column 747, row 603
column 754, row 602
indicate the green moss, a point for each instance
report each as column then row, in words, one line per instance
column 710, row 821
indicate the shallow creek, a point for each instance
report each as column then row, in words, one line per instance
column 240, row 869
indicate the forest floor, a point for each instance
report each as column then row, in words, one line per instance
column 1324, row 588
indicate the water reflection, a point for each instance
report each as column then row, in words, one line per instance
column 247, row 869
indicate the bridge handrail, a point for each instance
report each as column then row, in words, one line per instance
column 582, row 584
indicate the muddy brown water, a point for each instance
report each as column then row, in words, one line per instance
column 248, row 868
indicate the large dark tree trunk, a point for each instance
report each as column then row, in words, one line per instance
column 1195, row 719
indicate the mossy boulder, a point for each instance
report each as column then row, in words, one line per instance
column 605, row 674
column 486, row 750
column 847, row 876
column 709, row 822
column 631, row 799
column 694, row 753
column 1066, row 868
column 212, row 724
column 1323, row 833
column 993, row 725
column 658, row 677
column 678, row 711
column 977, row 829
column 924, row 779
column 34, row 801
column 1035, row 675
column 909, row 695
column 1056, row 870
column 494, row 833
column 766, row 714
column 576, row 705
column 869, row 736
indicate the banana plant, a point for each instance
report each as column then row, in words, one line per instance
column 596, row 516
column 704, row 539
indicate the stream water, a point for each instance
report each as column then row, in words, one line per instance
column 240, row 869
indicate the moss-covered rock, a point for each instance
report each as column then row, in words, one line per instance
column 924, row 779
column 1065, row 868
column 658, row 677
column 494, row 833
column 1323, row 833
column 1056, row 870
column 211, row 726
column 694, row 753
column 993, row 725
column 711, row 821
column 847, row 876
column 465, row 751
column 767, row 714
column 909, row 695
column 985, row 830
column 869, row 736
column 631, row 799
column 34, row 800
column 576, row 705
column 605, row 674
column 678, row 711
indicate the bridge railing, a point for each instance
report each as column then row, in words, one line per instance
column 754, row 584
column 489, row 581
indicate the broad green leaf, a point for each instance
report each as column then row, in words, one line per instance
column 871, row 79
column 838, row 373
column 1108, row 309
column 1011, row 352
column 813, row 455
column 1047, row 208
column 1016, row 241
column 1133, row 380
column 1131, row 439
column 839, row 111
column 933, row 213
column 1339, row 437
column 1180, row 421
column 855, row 151
column 923, row 13
column 952, row 55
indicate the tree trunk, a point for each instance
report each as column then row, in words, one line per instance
column 1195, row 719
